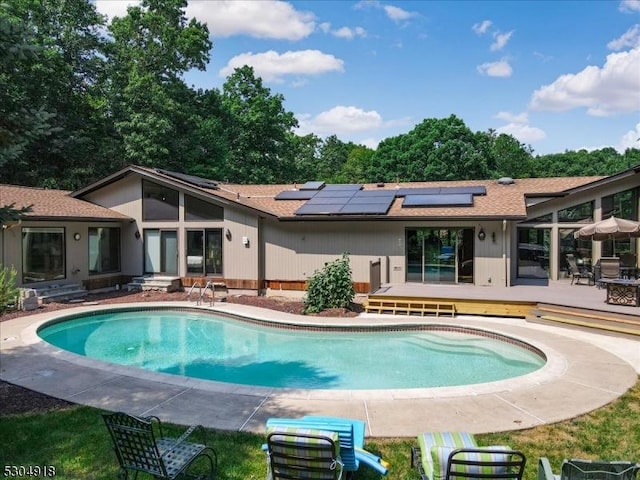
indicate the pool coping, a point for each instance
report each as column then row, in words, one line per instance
column 576, row 369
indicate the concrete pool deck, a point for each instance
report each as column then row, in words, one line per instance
column 584, row 371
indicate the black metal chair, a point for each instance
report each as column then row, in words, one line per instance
column 138, row 450
column 575, row 271
column 575, row 469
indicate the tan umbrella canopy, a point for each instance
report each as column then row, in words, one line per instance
column 610, row 228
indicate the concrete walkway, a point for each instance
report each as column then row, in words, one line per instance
column 584, row 371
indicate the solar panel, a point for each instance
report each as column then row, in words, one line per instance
column 335, row 193
column 295, row 195
column 317, row 200
column 312, row 186
column 343, row 187
column 307, row 209
column 372, row 200
column 192, row 179
column 402, row 192
column 375, row 193
column 365, row 209
column 477, row 190
column 454, row 200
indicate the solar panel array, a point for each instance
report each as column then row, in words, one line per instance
column 351, row 199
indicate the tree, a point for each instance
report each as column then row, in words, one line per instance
column 60, row 85
column 354, row 169
column 512, row 159
column 153, row 109
column 259, row 130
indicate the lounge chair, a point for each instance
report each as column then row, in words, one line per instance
column 575, row 469
column 576, row 273
column 351, row 438
column 608, row 268
column 451, row 455
column 296, row 453
column 138, row 450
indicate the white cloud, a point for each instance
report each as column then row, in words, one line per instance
column 273, row 66
column 500, row 40
column 261, row 19
column 629, row 6
column 343, row 32
column 501, row 68
column 115, row 8
column 631, row 139
column 481, row 28
column 519, row 127
column 603, row 91
column 629, row 39
column 340, row 120
column 397, row 14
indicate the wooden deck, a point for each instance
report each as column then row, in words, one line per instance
column 581, row 306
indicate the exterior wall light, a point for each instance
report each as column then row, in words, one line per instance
column 481, row 235
column 227, row 234
column 76, row 236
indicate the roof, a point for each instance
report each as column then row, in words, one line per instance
column 500, row 202
column 55, row 205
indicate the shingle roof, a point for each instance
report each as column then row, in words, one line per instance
column 500, row 201
column 55, row 204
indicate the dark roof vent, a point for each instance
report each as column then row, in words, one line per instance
column 506, row 181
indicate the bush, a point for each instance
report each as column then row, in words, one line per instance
column 8, row 291
column 330, row 287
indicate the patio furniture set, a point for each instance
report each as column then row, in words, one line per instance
column 328, row 448
column 619, row 275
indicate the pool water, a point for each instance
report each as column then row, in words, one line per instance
column 203, row 346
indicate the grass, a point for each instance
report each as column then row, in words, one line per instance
column 76, row 442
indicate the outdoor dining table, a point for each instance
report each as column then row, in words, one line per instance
column 622, row 291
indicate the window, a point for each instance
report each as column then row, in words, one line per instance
column 158, row 202
column 580, row 248
column 104, row 250
column 533, row 252
column 196, row 209
column 43, row 255
column 582, row 213
column 204, row 252
column 621, row 205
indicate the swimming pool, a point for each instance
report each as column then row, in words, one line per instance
column 205, row 346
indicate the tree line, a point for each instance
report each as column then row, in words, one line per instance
column 81, row 98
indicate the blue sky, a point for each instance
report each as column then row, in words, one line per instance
column 557, row 75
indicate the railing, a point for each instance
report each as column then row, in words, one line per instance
column 196, row 284
column 374, row 275
column 213, row 292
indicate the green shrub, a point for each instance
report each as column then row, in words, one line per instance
column 8, row 291
column 330, row 287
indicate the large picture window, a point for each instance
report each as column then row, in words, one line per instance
column 196, row 209
column 159, row 203
column 104, row 250
column 533, row 252
column 582, row 213
column 43, row 256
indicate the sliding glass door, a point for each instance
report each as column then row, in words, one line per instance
column 436, row 255
column 161, row 251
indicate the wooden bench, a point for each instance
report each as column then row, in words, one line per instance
column 409, row 307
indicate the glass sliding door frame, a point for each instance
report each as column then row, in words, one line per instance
column 439, row 255
column 161, row 251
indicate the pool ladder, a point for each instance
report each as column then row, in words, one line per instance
column 202, row 292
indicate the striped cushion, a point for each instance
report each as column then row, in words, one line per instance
column 440, row 456
column 323, row 459
column 431, row 439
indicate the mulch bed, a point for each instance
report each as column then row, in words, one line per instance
column 15, row 400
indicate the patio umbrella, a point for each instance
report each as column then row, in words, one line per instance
column 609, row 229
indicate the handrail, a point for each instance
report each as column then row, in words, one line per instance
column 196, row 284
column 213, row 292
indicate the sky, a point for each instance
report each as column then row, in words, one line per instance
column 557, row 75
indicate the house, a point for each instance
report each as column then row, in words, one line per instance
column 271, row 238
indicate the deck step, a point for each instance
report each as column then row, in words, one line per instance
column 405, row 306
column 160, row 283
column 619, row 323
column 60, row 292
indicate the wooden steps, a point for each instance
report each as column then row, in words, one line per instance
column 409, row 306
column 617, row 323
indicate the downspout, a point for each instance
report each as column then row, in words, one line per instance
column 504, row 252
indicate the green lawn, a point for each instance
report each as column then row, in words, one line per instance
column 76, row 442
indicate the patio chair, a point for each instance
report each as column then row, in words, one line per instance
column 297, row 453
column 453, row 455
column 138, row 450
column 607, row 268
column 575, row 469
column 351, row 437
column 576, row 273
